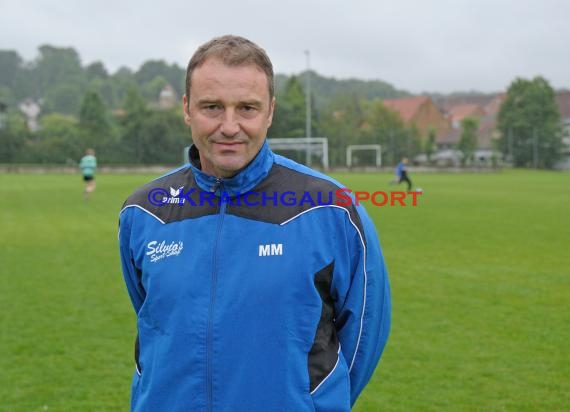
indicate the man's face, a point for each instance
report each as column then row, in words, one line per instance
column 229, row 112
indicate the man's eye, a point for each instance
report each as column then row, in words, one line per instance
column 212, row 107
column 248, row 109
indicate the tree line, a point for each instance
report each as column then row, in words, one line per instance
column 118, row 115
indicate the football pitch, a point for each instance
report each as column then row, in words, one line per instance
column 479, row 270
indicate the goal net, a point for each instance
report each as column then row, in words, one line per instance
column 350, row 149
column 309, row 146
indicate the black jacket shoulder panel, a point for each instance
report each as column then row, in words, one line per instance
column 172, row 197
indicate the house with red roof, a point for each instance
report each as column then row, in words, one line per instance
column 485, row 111
column 458, row 113
column 421, row 112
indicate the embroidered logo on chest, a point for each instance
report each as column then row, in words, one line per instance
column 161, row 250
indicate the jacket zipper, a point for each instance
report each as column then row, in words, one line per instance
column 213, row 287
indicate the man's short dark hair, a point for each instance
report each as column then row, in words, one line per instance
column 232, row 51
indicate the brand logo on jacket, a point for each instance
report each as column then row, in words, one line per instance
column 161, row 250
column 173, row 198
column 272, row 249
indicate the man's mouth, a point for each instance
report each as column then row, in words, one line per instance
column 228, row 144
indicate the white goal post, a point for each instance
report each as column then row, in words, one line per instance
column 354, row 147
column 310, row 145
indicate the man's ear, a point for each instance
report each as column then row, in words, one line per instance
column 271, row 111
column 186, row 110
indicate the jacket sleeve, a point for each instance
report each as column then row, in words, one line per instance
column 363, row 320
column 131, row 273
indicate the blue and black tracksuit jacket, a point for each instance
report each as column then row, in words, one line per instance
column 254, row 293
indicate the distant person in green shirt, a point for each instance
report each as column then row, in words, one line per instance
column 88, row 166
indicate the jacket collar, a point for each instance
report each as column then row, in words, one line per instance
column 244, row 181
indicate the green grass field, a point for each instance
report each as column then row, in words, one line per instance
column 480, row 275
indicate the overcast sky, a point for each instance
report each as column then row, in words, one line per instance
column 416, row 45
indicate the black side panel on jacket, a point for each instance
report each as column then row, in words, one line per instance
column 324, row 353
column 137, row 354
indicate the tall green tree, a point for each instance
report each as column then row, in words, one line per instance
column 13, row 136
column 56, row 64
column 57, row 142
column 58, row 78
column 94, row 123
column 173, row 74
column 341, row 122
column 62, row 98
column 132, row 126
column 385, row 127
column 529, row 122
column 290, row 111
column 10, row 64
column 96, row 70
column 25, row 84
column 151, row 90
column 430, row 144
column 468, row 140
column 164, row 130
column 121, row 83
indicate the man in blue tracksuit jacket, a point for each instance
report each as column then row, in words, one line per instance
column 258, row 285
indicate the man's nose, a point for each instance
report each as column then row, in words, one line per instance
column 230, row 125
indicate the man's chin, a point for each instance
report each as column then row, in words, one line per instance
column 230, row 167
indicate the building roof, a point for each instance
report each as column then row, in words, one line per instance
column 461, row 111
column 494, row 105
column 445, row 103
column 406, row 107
